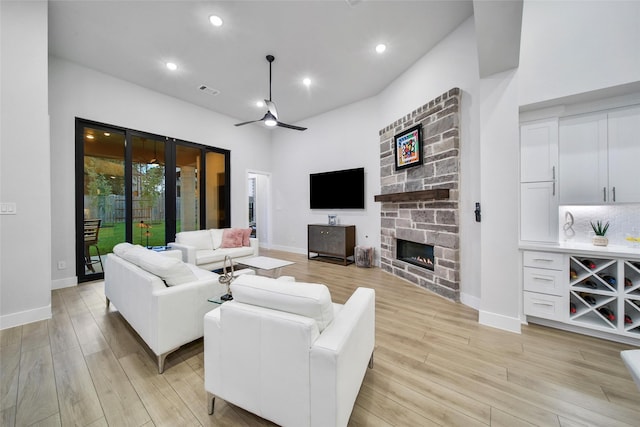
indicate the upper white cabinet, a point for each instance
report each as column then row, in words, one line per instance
column 624, row 155
column 539, row 151
column 598, row 157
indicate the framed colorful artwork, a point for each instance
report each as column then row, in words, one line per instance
column 408, row 148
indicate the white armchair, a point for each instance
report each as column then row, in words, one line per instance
column 283, row 351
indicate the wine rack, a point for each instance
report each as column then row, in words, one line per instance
column 604, row 294
column 631, row 285
column 593, row 292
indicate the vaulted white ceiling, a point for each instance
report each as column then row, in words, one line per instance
column 331, row 42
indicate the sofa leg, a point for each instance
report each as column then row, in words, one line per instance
column 371, row 361
column 108, row 301
column 161, row 359
column 211, row 400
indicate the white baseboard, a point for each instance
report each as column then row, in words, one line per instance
column 288, row 249
column 67, row 282
column 470, row 301
column 24, row 317
column 511, row 324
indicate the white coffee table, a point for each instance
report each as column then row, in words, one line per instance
column 265, row 263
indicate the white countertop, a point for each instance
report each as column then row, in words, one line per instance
column 584, row 249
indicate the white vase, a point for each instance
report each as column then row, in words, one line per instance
column 600, row 241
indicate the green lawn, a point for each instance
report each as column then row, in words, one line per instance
column 111, row 235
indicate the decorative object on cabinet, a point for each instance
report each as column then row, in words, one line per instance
column 600, row 229
column 569, row 232
column 332, row 220
column 407, row 147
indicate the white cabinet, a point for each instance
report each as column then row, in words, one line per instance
column 538, row 151
column 538, row 212
column 624, row 155
column 538, row 167
column 545, row 284
column 598, row 157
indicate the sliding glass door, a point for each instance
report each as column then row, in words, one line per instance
column 142, row 188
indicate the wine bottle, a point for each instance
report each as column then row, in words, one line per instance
column 609, row 279
column 588, row 263
column 573, row 274
column 606, row 312
column 589, row 284
column 627, row 282
column 627, row 319
column 590, row 299
column 572, row 308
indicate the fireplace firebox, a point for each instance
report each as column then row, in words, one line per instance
column 415, row 253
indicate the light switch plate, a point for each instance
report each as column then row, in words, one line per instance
column 7, row 208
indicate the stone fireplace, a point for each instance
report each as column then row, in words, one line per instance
column 420, row 203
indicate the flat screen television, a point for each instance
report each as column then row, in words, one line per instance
column 343, row 189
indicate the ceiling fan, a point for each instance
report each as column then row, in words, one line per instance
column 271, row 117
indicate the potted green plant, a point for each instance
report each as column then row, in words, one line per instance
column 600, row 229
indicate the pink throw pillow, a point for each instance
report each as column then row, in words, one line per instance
column 232, row 238
column 246, row 233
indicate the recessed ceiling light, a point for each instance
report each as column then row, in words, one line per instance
column 381, row 48
column 172, row 66
column 216, row 21
column 259, row 104
column 107, row 134
column 306, row 81
column 89, row 136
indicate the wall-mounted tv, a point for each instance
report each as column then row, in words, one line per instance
column 343, row 189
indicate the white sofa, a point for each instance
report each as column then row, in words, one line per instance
column 165, row 317
column 204, row 248
column 285, row 352
column 631, row 359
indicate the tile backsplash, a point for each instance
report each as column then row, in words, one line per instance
column 624, row 222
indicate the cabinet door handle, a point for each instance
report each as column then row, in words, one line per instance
column 604, row 193
column 553, row 193
column 553, row 173
column 614, row 194
column 546, row 304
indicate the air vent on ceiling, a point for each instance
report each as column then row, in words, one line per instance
column 353, row 3
column 211, row 91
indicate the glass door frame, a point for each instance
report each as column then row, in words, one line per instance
column 170, row 185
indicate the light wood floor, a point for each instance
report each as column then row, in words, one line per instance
column 434, row 365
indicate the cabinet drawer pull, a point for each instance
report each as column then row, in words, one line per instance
column 543, row 259
column 546, row 304
column 542, row 279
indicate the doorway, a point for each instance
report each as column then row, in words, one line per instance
column 258, row 189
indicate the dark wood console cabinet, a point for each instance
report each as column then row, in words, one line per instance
column 332, row 242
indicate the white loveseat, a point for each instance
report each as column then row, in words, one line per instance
column 165, row 317
column 205, row 248
column 285, row 352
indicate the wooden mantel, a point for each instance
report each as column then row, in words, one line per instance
column 414, row 196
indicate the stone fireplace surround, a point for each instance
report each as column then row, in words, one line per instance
column 421, row 220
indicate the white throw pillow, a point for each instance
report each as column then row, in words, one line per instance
column 306, row 299
column 216, row 237
column 200, row 239
column 121, row 248
column 173, row 271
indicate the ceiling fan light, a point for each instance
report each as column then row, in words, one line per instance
column 270, row 122
column 216, row 21
column 381, row 48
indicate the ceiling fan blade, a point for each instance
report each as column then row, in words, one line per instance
column 271, row 107
column 246, row 123
column 284, row 125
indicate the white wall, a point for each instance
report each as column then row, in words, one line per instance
column 572, row 47
column 76, row 91
column 499, row 135
column 25, row 258
column 345, row 138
